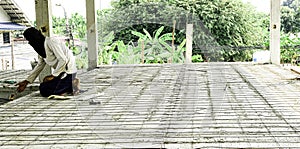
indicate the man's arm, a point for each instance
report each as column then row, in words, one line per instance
column 37, row 70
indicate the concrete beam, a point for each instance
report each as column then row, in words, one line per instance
column 275, row 31
column 44, row 23
column 92, row 34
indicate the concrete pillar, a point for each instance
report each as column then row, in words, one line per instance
column 189, row 43
column 44, row 23
column 92, row 34
column 44, row 16
column 275, row 32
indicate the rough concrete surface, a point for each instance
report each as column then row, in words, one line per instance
column 205, row 105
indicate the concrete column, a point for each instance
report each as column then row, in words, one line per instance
column 189, row 43
column 44, row 23
column 275, row 31
column 44, row 16
column 92, row 34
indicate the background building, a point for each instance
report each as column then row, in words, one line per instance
column 12, row 19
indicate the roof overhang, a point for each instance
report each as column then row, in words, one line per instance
column 9, row 26
column 14, row 12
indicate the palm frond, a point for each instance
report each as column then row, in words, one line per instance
column 147, row 34
column 158, row 32
column 140, row 35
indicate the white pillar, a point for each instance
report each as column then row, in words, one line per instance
column 275, row 32
column 189, row 43
column 44, row 23
column 92, row 34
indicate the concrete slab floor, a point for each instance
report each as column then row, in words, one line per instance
column 205, row 105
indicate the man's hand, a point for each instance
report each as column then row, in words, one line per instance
column 22, row 85
column 48, row 78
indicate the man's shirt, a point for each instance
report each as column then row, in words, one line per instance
column 58, row 57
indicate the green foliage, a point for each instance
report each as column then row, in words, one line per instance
column 150, row 16
column 78, row 26
column 106, row 49
column 288, row 20
column 158, row 49
column 290, row 16
column 293, row 4
column 238, row 54
column 289, row 50
column 216, row 23
column 177, row 56
column 117, row 52
column 59, row 25
column 102, row 17
column 197, row 58
column 81, row 59
column 127, row 54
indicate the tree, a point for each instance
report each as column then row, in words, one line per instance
column 287, row 19
column 290, row 14
column 222, row 22
column 293, row 4
column 59, row 25
column 78, row 26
